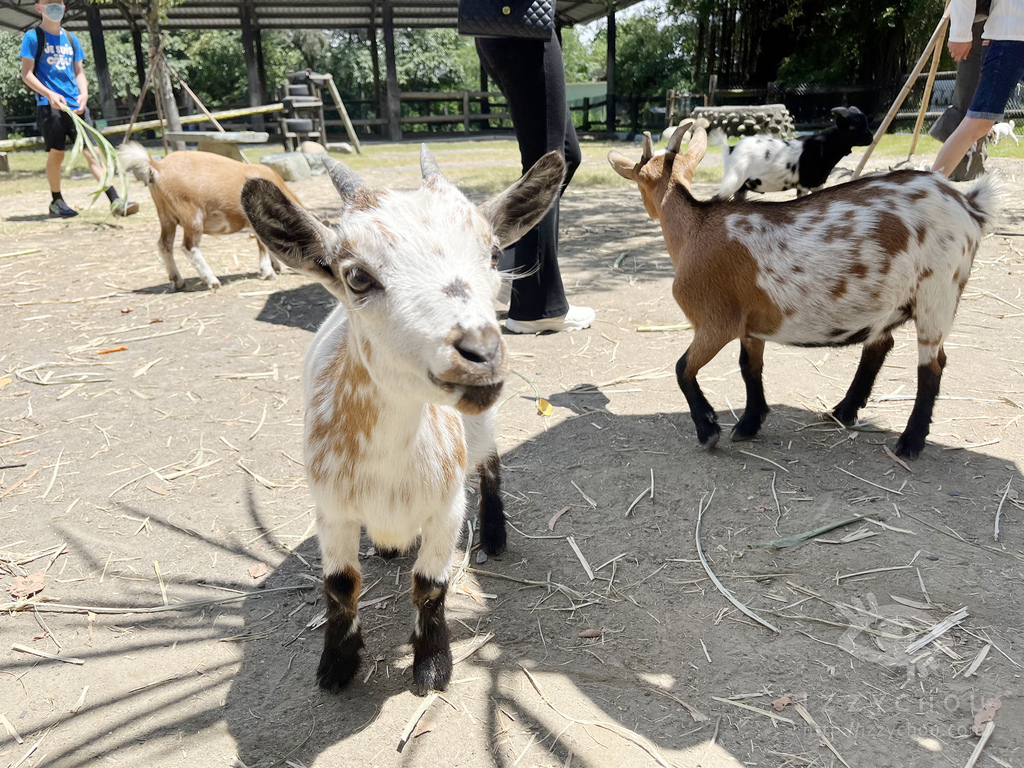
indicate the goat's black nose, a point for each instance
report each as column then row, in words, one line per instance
column 481, row 346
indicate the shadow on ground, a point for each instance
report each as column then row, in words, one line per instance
column 658, row 621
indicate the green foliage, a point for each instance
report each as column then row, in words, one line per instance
column 18, row 100
column 650, row 56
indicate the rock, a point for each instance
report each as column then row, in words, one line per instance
column 771, row 119
column 341, row 146
column 312, row 148
column 293, row 166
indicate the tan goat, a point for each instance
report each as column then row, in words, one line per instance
column 201, row 192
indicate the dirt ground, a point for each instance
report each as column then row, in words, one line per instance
column 152, row 450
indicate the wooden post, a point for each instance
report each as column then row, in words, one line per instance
column 344, row 115
column 936, row 40
column 610, row 74
column 167, row 107
column 99, row 60
column 712, row 87
column 3, row 118
column 140, row 59
column 926, row 97
column 394, row 102
column 586, row 114
column 251, row 64
column 465, row 112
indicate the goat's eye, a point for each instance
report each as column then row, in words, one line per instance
column 495, row 255
column 359, row 280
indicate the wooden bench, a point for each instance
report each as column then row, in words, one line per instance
column 218, row 143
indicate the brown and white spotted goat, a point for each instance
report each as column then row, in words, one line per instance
column 400, row 382
column 844, row 266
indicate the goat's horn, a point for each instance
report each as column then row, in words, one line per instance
column 428, row 166
column 345, row 180
column 675, row 141
column 648, row 147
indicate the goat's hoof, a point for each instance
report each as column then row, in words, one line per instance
column 213, row 284
column 336, row 670
column 432, row 673
column 268, row 275
column 494, row 539
column 710, row 441
column 908, row 449
column 843, row 415
column 747, row 427
column 177, row 284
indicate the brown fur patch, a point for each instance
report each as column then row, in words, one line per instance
column 354, row 414
column 859, row 270
column 839, row 289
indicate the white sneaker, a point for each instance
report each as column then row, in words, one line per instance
column 576, row 319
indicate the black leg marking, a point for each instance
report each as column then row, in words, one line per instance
column 703, row 414
column 492, row 511
column 343, row 637
column 387, row 553
column 871, row 359
column 757, row 407
column 432, row 653
column 911, row 442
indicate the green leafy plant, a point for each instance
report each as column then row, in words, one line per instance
column 97, row 141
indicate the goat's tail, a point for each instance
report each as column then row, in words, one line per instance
column 985, row 201
column 718, row 138
column 135, row 158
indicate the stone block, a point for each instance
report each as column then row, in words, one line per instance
column 293, row 166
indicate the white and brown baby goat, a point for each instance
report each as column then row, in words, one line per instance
column 201, row 192
column 400, row 381
column 844, row 266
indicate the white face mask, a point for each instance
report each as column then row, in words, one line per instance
column 54, row 11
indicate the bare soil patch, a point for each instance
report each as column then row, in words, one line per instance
column 152, row 450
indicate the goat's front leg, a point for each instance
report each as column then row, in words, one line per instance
column 756, row 411
column 871, row 359
column 493, row 536
column 701, row 351
column 432, row 653
column 343, row 639
column 929, row 375
column 190, row 243
column 269, row 264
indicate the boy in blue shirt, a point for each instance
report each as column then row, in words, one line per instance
column 57, row 77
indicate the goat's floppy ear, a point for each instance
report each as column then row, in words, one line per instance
column 517, row 210
column 300, row 241
column 622, row 165
column 842, row 115
column 432, row 176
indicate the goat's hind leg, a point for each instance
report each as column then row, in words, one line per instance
column 871, row 359
column 756, row 411
column 701, row 351
column 165, row 245
column 431, row 644
column 929, row 376
column 343, row 639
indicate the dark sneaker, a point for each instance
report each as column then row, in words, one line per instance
column 124, row 207
column 60, row 209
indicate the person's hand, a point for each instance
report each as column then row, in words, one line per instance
column 959, row 51
column 57, row 101
column 80, row 110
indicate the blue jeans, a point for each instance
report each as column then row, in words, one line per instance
column 1001, row 70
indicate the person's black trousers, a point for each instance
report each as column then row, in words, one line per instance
column 531, row 76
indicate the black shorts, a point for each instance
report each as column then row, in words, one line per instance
column 56, row 126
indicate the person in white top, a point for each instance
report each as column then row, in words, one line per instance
column 1001, row 69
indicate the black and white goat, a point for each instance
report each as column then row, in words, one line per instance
column 766, row 164
column 845, row 266
column 400, row 381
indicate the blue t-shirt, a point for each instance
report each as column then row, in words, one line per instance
column 56, row 68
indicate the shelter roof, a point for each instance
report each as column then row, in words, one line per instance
column 19, row 15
